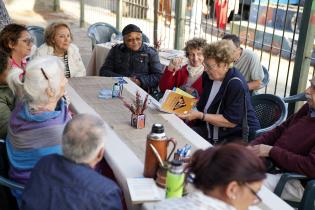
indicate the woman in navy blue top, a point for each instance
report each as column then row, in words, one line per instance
column 225, row 112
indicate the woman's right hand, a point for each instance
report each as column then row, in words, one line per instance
column 175, row 64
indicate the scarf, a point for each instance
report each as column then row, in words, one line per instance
column 193, row 74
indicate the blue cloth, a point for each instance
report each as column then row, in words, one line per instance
column 58, row 183
column 25, row 126
column 26, row 159
column 232, row 107
column 43, row 116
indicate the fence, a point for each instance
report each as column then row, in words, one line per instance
column 269, row 27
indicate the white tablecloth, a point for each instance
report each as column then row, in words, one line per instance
column 125, row 163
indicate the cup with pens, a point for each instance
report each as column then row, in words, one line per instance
column 183, row 154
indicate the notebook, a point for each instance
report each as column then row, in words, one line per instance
column 144, row 190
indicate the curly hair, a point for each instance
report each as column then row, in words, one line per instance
column 221, row 51
column 10, row 35
column 195, row 43
column 51, row 30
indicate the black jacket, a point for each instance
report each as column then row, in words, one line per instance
column 144, row 65
column 232, row 107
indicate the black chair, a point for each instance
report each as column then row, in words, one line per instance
column 307, row 202
column 101, row 33
column 3, row 180
column 7, row 201
column 37, row 34
column 270, row 111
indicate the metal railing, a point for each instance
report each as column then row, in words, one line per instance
column 271, row 28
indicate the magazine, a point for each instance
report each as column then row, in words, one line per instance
column 177, row 101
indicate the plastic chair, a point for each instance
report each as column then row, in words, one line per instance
column 101, row 33
column 270, row 111
column 307, row 202
column 37, row 34
column 295, row 98
column 145, row 38
column 8, row 201
column 6, row 182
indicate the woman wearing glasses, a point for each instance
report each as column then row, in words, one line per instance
column 37, row 122
column 58, row 42
column 17, row 42
column 226, row 177
column 225, row 112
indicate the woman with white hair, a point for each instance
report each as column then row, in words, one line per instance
column 37, row 122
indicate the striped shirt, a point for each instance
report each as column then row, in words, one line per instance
column 67, row 70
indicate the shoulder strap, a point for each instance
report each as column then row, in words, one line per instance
column 245, row 128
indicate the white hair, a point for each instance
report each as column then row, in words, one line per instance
column 34, row 88
column 83, row 137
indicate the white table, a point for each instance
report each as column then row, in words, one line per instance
column 126, row 164
column 100, row 52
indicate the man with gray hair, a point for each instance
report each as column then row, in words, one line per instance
column 291, row 148
column 69, row 181
column 247, row 62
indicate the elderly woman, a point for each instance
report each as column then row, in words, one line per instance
column 224, row 108
column 58, row 38
column 37, row 122
column 226, row 177
column 17, row 42
column 187, row 77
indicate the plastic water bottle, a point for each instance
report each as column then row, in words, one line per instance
column 175, row 178
column 116, row 90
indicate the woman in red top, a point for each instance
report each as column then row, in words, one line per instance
column 187, row 77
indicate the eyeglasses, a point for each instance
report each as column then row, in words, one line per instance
column 28, row 41
column 138, row 39
column 210, row 68
column 258, row 199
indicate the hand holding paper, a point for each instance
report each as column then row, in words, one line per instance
column 191, row 115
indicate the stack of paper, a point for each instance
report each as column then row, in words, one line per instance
column 143, row 190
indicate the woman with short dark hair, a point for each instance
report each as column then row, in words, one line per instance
column 187, row 77
column 227, row 177
column 225, row 112
column 16, row 41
